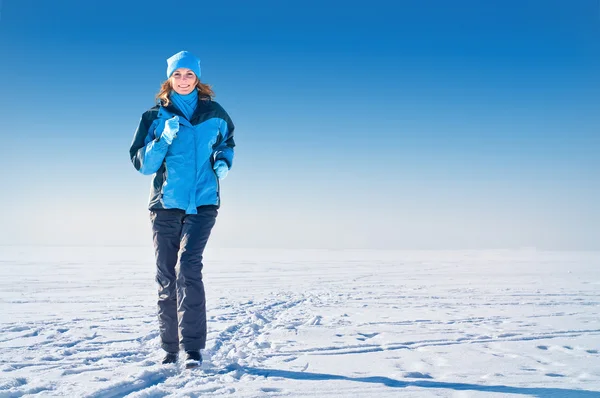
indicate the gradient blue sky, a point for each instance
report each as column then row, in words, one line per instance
column 384, row 124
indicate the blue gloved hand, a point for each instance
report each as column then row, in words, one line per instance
column 221, row 169
column 170, row 131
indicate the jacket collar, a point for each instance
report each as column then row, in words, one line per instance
column 173, row 110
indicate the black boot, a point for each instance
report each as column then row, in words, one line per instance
column 193, row 359
column 170, row 357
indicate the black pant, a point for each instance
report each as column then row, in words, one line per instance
column 179, row 242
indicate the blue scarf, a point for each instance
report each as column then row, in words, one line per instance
column 185, row 103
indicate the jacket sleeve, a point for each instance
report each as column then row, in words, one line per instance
column 147, row 153
column 224, row 149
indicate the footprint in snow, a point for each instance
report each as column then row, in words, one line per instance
column 418, row 375
column 369, row 335
column 366, row 336
column 314, row 321
column 270, row 389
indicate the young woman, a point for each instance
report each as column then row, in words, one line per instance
column 186, row 142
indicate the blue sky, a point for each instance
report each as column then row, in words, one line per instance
column 400, row 125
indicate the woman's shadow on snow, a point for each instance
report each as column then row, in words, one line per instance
column 531, row 391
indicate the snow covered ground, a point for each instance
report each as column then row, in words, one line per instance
column 80, row 322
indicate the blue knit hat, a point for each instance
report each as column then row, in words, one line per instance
column 183, row 59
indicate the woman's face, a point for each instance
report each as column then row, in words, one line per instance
column 183, row 81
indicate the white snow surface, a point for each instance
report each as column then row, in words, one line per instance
column 81, row 322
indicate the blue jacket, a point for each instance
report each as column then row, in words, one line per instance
column 183, row 171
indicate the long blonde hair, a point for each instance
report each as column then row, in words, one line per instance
column 204, row 91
